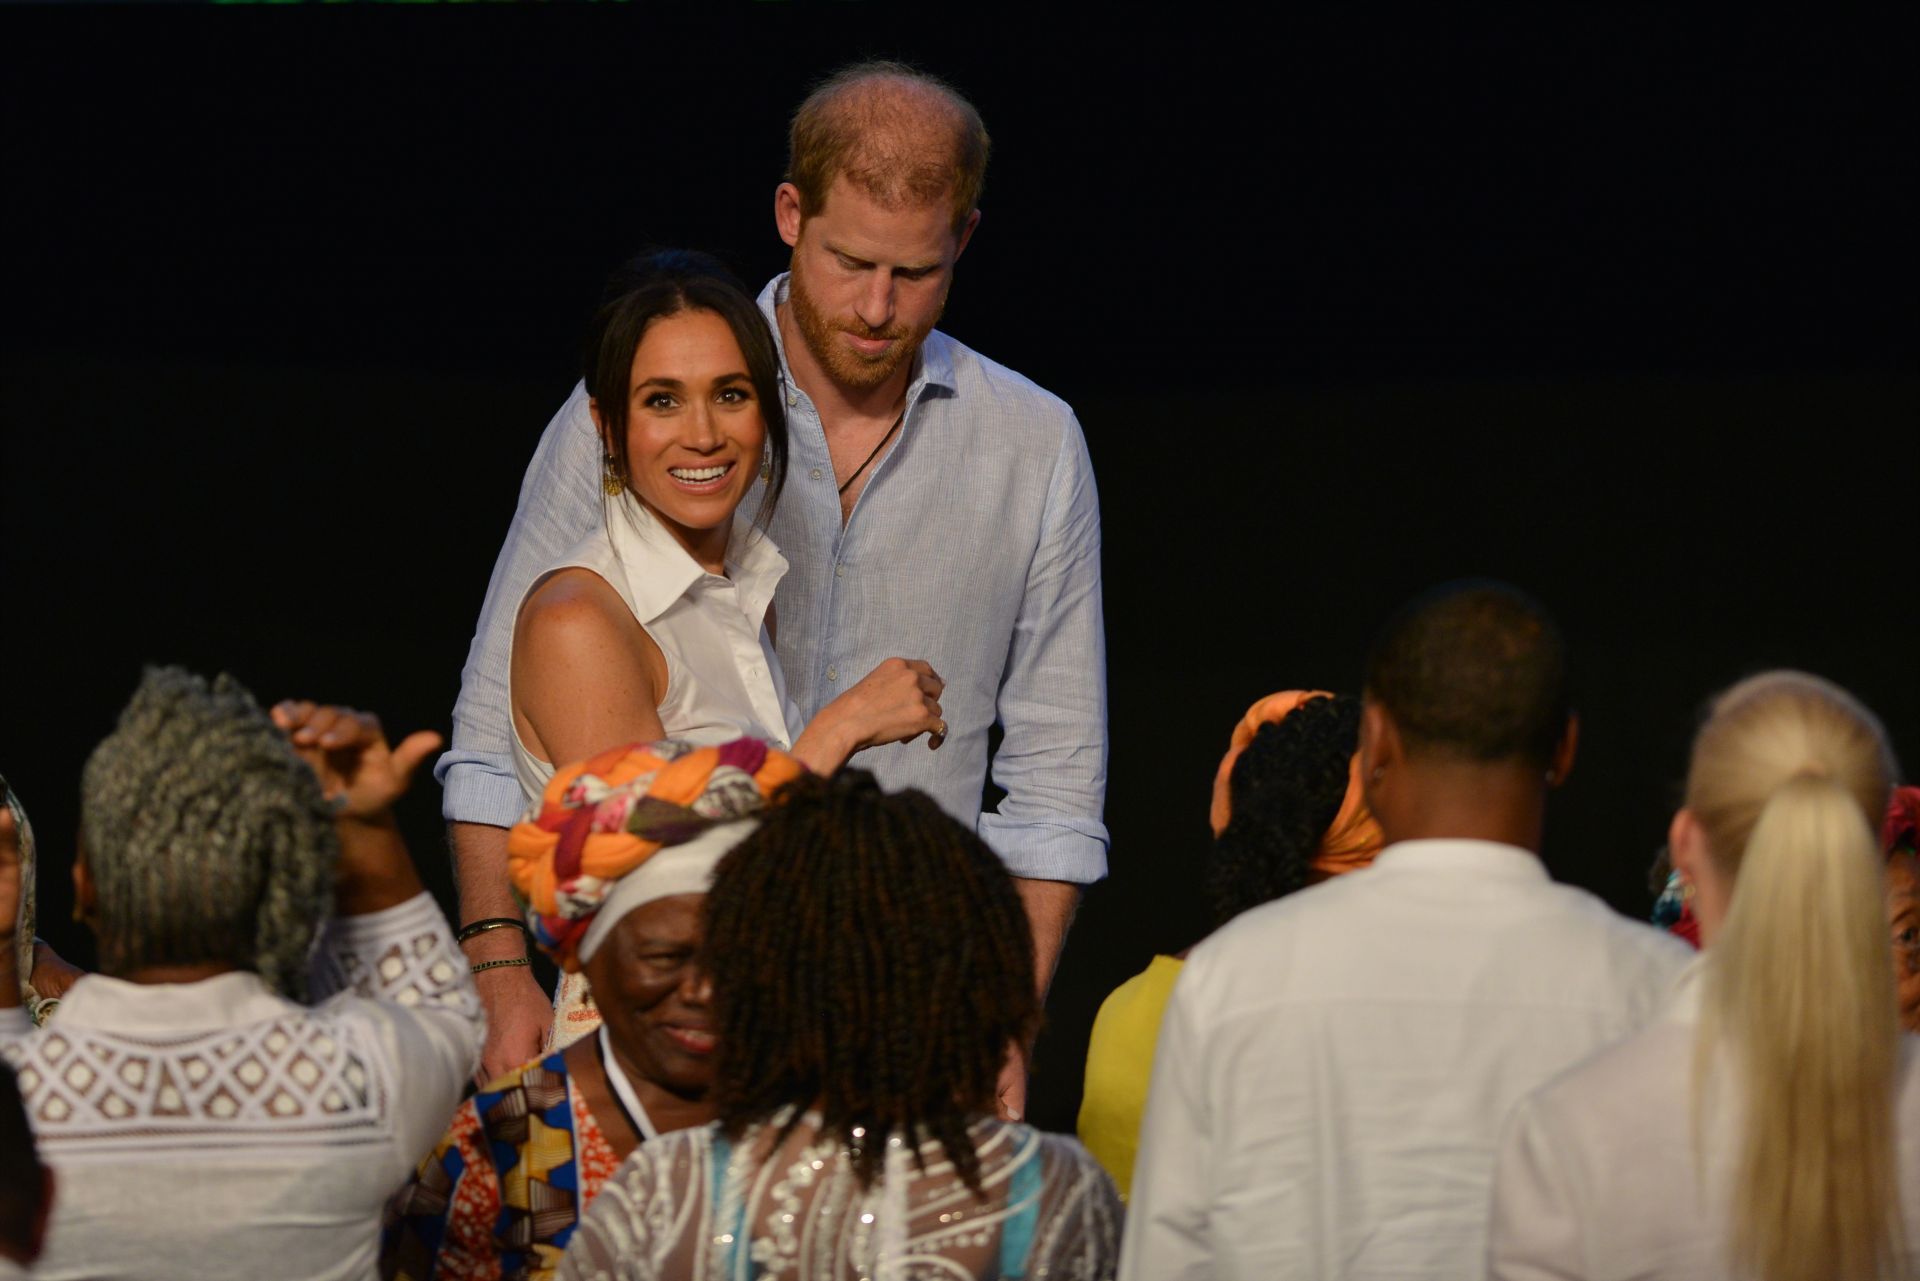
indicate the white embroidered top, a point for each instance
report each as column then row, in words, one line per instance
column 690, row 1206
column 217, row 1129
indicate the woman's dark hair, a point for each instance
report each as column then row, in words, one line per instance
column 1286, row 788
column 665, row 282
column 868, row 954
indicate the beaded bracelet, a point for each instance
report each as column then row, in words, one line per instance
column 494, row 965
column 475, row 928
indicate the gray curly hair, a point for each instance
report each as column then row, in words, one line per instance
column 206, row 837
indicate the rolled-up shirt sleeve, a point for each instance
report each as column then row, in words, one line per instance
column 559, row 505
column 1052, row 702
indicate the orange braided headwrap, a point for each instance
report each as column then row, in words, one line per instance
column 1352, row 839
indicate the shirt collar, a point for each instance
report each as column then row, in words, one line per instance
column 115, row 1005
column 754, row 564
column 932, row 364
column 1459, row 854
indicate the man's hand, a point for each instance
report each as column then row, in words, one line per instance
column 349, row 754
column 519, row 1013
column 519, row 1018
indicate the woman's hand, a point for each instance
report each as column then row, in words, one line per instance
column 349, row 754
column 364, row 777
column 894, row 703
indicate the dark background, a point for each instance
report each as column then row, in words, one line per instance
column 1620, row 306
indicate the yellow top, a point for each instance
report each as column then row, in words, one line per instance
column 1120, row 1065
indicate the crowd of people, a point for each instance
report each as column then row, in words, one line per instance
column 725, row 769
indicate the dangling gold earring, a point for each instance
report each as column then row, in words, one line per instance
column 610, row 478
column 766, row 466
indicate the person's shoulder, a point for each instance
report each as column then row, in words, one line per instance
column 573, row 606
column 1064, row 1156
column 1627, row 938
column 981, row 382
column 1634, row 1086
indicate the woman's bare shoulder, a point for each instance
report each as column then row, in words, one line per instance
column 575, row 619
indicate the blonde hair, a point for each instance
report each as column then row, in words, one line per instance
column 1787, row 777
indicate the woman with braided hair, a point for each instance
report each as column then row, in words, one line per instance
column 613, row 863
column 870, row 963
column 1286, row 813
column 281, row 1022
column 1768, row 1127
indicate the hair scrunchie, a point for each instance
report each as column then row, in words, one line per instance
column 602, row 819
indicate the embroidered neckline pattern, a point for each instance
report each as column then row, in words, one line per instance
column 313, row 1077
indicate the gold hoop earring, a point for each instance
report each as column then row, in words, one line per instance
column 611, row 482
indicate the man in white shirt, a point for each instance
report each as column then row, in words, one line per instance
column 1334, row 1067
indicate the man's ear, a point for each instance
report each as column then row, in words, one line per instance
column 786, row 214
column 1380, row 746
column 966, row 234
column 1564, row 752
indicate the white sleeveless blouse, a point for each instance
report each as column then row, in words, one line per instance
column 723, row 680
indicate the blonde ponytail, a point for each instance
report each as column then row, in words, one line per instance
column 1799, row 997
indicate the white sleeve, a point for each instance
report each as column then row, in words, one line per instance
column 1167, row 1235
column 1535, row 1232
column 403, row 959
column 560, row 504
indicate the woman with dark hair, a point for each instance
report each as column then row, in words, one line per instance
column 1286, row 813
column 1768, row 1127
column 658, row 625
column 870, row 963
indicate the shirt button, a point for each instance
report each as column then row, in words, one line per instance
column 814, row 474
column 833, row 673
column 792, row 399
column 839, row 571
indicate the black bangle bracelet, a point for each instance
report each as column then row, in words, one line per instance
column 473, row 928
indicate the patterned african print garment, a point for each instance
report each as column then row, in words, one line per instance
column 499, row 1197
column 692, row 1206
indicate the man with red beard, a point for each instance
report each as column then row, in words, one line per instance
column 937, row 505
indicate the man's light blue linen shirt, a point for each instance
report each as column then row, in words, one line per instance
column 975, row 545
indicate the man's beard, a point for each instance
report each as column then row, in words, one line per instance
column 844, row 365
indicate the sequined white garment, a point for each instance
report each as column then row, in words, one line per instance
column 691, row 1207
column 217, row 1129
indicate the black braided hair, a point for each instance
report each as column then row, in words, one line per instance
column 870, row 956
column 1286, row 789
